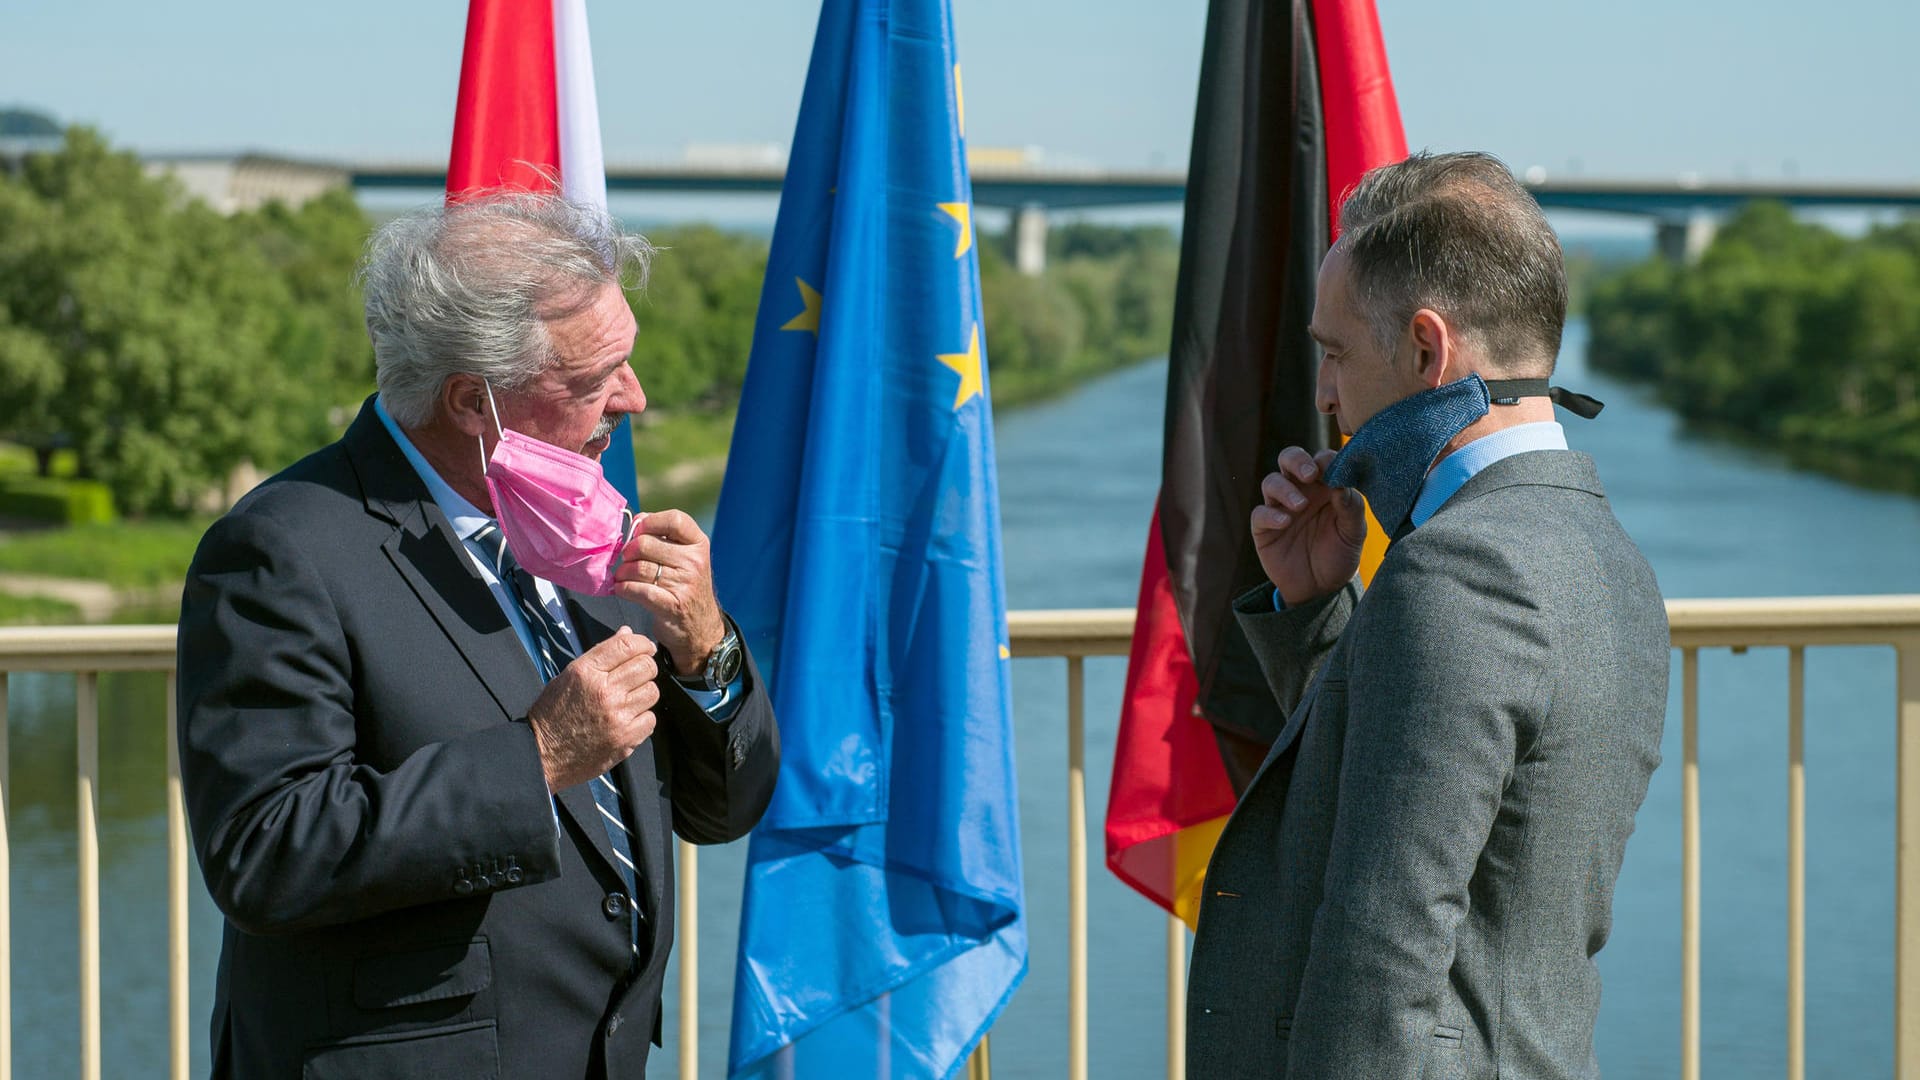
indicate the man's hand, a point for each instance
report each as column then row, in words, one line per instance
column 597, row 711
column 1308, row 535
column 667, row 568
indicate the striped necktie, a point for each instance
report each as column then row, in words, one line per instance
column 551, row 653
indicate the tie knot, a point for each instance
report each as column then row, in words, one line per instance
column 494, row 543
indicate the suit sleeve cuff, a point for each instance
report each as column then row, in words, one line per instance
column 721, row 704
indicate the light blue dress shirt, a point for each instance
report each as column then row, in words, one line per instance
column 1446, row 479
column 1454, row 470
column 467, row 519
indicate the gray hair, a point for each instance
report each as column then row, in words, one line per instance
column 1458, row 234
column 468, row 287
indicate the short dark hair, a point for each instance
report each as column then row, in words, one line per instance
column 1458, row 234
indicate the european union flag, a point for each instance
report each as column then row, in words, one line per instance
column 858, row 546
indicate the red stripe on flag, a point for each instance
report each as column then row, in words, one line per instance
column 506, row 122
column 1168, row 776
column 1361, row 114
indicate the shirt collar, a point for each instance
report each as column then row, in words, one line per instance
column 1454, row 470
column 465, row 517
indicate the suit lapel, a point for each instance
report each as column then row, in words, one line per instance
column 435, row 566
column 1290, row 734
column 578, row 802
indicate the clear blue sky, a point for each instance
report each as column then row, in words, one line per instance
column 1627, row 87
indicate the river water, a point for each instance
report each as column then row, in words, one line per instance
column 1078, row 478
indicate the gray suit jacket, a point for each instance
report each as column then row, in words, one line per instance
column 1416, row 882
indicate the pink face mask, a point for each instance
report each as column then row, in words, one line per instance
column 563, row 521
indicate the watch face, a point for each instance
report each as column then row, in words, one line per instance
column 726, row 666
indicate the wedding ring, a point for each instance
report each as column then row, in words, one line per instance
column 656, row 573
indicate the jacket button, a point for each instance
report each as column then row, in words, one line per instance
column 613, row 1024
column 615, row 905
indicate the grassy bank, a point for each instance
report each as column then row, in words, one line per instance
column 36, row 611
column 125, row 555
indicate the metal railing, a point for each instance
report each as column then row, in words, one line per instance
column 1793, row 624
column 86, row 651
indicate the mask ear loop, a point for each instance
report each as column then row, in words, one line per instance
column 493, row 408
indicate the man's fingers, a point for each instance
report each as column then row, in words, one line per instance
column 655, row 598
column 673, row 525
column 640, row 730
column 1267, row 519
column 655, row 549
column 635, row 670
column 623, row 646
column 1295, row 462
column 1324, row 459
column 1279, row 491
column 644, row 697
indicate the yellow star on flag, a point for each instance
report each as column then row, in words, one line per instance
column 959, row 103
column 962, row 213
column 1006, row 653
column 809, row 317
column 967, row 366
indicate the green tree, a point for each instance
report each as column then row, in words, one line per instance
column 322, row 338
column 146, row 332
column 1785, row 332
column 696, row 317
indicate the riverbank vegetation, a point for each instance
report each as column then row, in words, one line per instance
column 1785, row 333
column 152, row 350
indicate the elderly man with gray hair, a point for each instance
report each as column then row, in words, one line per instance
column 1417, row 880
column 444, row 701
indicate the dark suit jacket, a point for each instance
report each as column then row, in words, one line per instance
column 370, row 812
column 1416, row 882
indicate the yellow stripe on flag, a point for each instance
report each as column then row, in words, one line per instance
column 1373, row 550
column 1192, row 847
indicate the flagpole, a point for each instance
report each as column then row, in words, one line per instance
column 689, row 960
column 980, row 1062
column 883, row 1053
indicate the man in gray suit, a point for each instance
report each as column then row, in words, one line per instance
column 1416, row 882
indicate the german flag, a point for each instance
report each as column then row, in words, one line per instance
column 1295, row 104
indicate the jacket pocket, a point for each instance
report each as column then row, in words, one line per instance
column 465, row 1051
column 432, row 974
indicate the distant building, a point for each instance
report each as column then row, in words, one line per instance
column 734, row 156
column 1004, row 158
column 232, row 183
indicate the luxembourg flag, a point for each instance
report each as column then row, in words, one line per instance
column 527, row 112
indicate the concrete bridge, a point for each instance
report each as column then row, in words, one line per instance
column 1684, row 210
column 1028, row 192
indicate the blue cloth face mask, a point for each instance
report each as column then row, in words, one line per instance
column 1387, row 459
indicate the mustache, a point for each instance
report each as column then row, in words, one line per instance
column 606, row 425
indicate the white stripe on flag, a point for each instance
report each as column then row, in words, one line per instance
column 583, row 171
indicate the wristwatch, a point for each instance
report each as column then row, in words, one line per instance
column 723, row 666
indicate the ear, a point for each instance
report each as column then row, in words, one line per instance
column 1434, row 355
column 463, row 398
